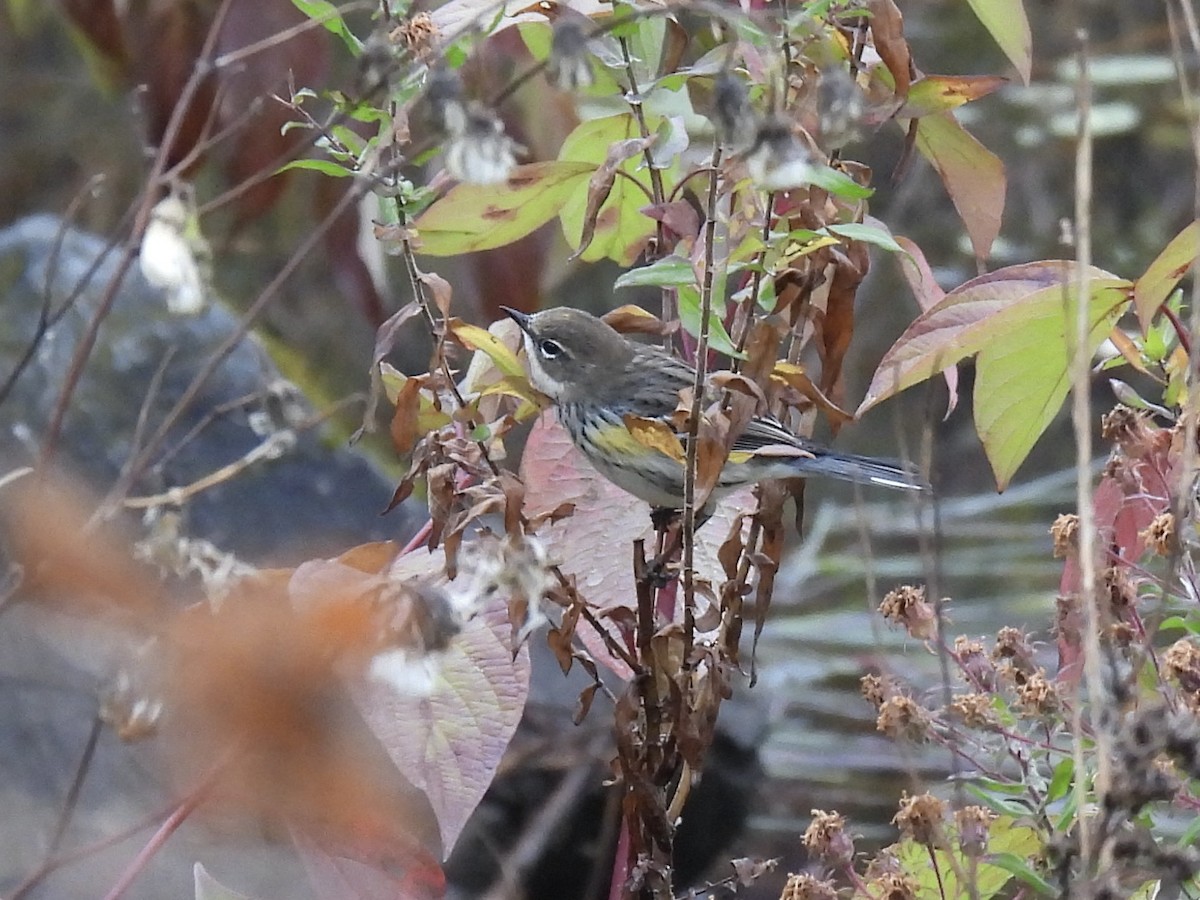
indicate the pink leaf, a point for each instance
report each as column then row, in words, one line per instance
column 595, row 544
column 449, row 740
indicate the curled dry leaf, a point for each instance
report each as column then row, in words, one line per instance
column 630, row 319
column 794, row 376
column 600, row 185
column 887, row 31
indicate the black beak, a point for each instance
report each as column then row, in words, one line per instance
column 522, row 319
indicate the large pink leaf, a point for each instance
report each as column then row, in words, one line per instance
column 964, row 323
column 595, row 544
column 449, row 739
column 919, row 275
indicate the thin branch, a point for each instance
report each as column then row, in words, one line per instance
column 693, row 431
column 1082, row 421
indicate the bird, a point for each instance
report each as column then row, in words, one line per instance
column 596, row 378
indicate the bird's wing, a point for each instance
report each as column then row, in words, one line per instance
column 764, row 431
column 651, row 368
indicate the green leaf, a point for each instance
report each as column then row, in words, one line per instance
column 1023, row 374
column 670, row 271
column 868, row 234
column 996, row 804
column 1060, row 781
column 1004, row 839
column 1160, row 279
column 1189, row 837
column 838, row 183
column 621, row 228
column 474, row 217
column 942, row 93
column 1019, row 868
column 1172, row 622
column 1017, row 321
column 973, row 176
column 331, row 17
column 324, row 166
column 689, row 316
column 1005, row 20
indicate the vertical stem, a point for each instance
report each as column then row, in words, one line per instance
column 1081, row 419
column 693, row 433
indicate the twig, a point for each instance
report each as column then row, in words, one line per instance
column 1081, row 419
column 693, row 430
column 183, row 809
column 154, row 181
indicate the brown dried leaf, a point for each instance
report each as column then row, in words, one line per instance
column 600, row 185
column 630, row 319
column 404, row 428
column 440, row 288
column 887, row 30
column 732, row 381
column 766, row 561
column 837, row 326
column 795, row 377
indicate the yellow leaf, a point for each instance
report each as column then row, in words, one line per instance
column 475, row 338
column 393, row 381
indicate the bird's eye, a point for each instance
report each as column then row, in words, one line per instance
column 550, row 349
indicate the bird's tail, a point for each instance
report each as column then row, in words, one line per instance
column 866, row 470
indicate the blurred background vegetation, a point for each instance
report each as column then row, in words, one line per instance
column 68, row 117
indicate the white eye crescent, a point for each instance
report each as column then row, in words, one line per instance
column 549, row 348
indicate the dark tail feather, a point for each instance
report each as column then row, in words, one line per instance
column 867, row 470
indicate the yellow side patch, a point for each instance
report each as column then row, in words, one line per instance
column 616, row 441
column 654, row 434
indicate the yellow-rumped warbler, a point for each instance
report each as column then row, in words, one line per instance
column 596, row 377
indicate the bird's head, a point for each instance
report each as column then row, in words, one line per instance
column 570, row 352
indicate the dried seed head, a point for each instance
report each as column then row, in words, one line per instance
column 777, row 160
column 921, row 818
column 1037, row 695
column 901, row 717
column 1131, row 429
column 1182, row 660
column 840, row 105
column 481, row 153
column 1065, row 532
column 895, row 886
column 907, row 606
column 1121, row 591
column 874, row 689
column 973, row 660
column 570, row 64
column 1159, row 534
column 827, row 840
column 418, row 35
column 736, row 122
column 975, row 710
column 1012, row 644
column 808, row 887
column 973, row 823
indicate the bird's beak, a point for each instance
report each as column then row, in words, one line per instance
column 522, row 319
